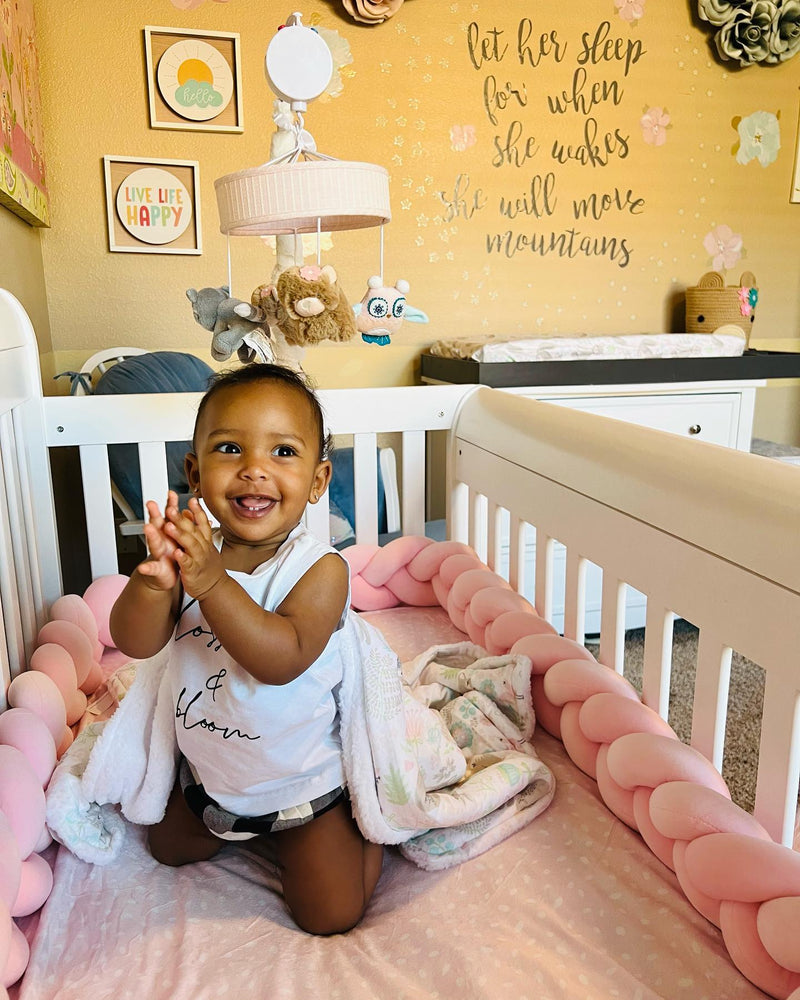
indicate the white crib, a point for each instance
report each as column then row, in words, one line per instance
column 708, row 534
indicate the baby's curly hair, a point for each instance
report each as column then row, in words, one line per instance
column 263, row 372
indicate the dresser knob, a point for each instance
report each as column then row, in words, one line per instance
column 695, row 429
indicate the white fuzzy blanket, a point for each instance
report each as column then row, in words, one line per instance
column 437, row 754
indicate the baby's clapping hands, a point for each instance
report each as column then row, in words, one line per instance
column 198, row 559
column 160, row 569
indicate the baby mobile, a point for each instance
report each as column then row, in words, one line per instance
column 299, row 191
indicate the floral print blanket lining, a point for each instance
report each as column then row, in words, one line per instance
column 438, row 753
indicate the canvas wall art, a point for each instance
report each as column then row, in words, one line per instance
column 23, row 180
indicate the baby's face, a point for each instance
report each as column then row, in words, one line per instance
column 257, row 462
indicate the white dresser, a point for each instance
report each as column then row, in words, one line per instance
column 720, row 412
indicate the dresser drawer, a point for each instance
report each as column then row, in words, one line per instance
column 713, row 417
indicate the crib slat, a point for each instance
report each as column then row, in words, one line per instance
column 472, row 515
column 5, row 662
column 710, row 708
column 413, row 485
column 493, row 535
column 657, row 665
column 153, row 471
column 575, row 597
column 365, row 479
column 99, row 509
column 477, row 524
column 544, row 574
column 458, row 512
column 12, row 649
column 38, row 524
column 778, row 774
column 40, row 518
column 612, row 622
column 15, row 570
column 515, row 557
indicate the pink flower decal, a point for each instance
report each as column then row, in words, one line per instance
column 462, row 137
column 630, row 10
column 725, row 247
column 654, row 123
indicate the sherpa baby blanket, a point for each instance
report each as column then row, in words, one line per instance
column 437, row 753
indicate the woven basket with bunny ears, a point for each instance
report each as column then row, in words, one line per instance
column 711, row 303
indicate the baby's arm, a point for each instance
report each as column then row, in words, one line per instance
column 277, row 646
column 273, row 646
column 143, row 615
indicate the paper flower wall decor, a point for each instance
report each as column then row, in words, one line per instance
column 724, row 247
column 754, row 31
column 630, row 10
column 654, row 124
column 759, row 138
column 462, row 137
column 372, row 11
column 341, row 55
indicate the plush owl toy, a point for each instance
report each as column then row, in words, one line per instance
column 382, row 310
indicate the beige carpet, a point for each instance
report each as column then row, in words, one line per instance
column 743, row 729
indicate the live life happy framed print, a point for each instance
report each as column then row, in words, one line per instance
column 152, row 205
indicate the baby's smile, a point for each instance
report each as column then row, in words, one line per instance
column 253, row 505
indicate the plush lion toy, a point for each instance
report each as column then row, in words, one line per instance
column 307, row 305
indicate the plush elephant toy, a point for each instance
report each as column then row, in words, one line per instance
column 235, row 325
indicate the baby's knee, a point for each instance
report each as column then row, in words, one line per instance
column 166, row 850
column 326, row 921
column 163, row 851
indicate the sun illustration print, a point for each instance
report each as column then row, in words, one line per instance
column 195, row 80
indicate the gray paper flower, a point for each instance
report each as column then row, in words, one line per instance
column 746, row 36
column 784, row 37
column 718, row 12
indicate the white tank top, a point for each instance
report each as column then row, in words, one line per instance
column 257, row 748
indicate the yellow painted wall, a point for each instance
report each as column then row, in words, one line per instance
column 459, row 101
column 22, row 272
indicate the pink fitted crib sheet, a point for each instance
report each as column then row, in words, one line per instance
column 573, row 905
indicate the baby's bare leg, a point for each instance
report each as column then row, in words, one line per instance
column 181, row 838
column 328, row 870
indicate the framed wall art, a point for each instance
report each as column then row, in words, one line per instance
column 193, row 79
column 23, row 180
column 152, row 205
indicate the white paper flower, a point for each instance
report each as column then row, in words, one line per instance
column 759, row 138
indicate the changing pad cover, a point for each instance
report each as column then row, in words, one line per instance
column 727, row 341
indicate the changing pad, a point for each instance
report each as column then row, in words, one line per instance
column 726, row 341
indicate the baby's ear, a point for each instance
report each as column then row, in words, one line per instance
column 322, row 478
column 192, row 470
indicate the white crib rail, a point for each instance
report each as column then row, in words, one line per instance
column 92, row 423
column 29, row 569
column 714, row 541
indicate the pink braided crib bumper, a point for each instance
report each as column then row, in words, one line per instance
column 725, row 862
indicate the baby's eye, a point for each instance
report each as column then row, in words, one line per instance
column 284, row 451
column 228, row 448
